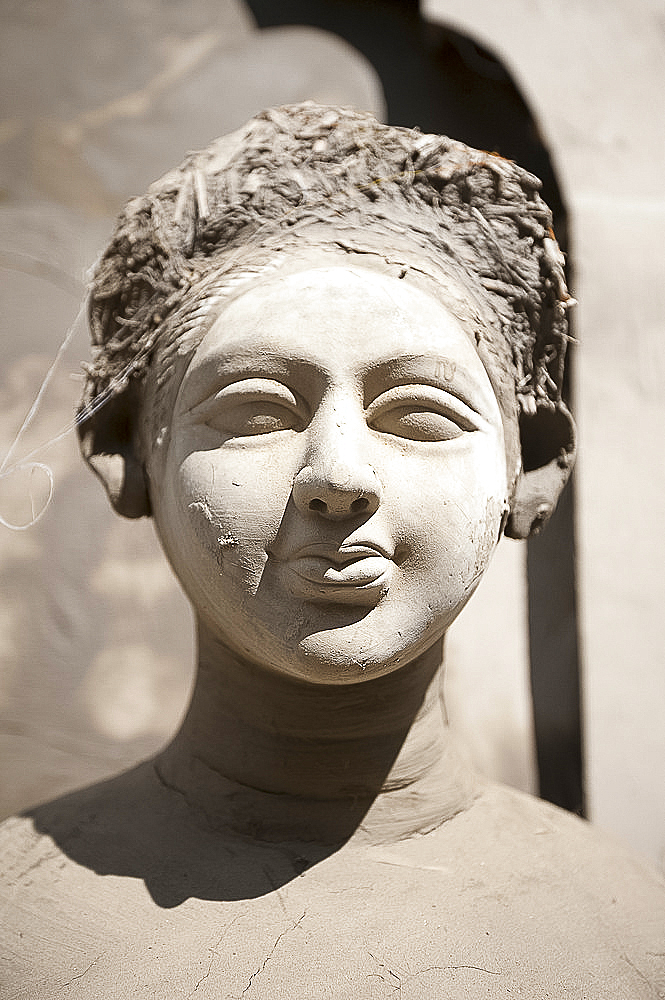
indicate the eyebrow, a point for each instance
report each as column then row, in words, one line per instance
column 216, row 372
column 439, row 371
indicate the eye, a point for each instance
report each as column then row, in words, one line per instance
column 421, row 413
column 251, row 407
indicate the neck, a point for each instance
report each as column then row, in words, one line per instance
column 282, row 759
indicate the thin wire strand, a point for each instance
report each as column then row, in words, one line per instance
column 42, row 389
column 25, row 463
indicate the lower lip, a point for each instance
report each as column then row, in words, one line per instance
column 362, row 581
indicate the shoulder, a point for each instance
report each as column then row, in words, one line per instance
column 58, row 915
column 46, row 934
column 511, row 897
column 529, row 837
column 587, row 903
column 531, row 901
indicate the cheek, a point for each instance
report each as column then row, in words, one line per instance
column 452, row 512
column 221, row 517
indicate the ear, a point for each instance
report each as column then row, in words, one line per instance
column 548, row 445
column 109, row 443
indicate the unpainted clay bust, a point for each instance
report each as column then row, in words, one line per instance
column 328, row 364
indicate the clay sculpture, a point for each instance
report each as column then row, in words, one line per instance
column 329, row 358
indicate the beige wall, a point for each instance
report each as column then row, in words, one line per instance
column 595, row 76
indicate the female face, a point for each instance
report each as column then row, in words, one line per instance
column 333, row 483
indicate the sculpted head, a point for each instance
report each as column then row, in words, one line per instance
column 330, row 357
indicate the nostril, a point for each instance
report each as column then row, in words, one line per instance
column 337, row 492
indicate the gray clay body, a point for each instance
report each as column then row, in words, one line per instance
column 329, row 366
column 122, row 891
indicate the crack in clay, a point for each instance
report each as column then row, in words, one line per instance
column 445, row 968
column 639, row 972
column 350, row 888
column 262, row 967
column 275, row 888
column 214, row 953
column 51, row 856
column 81, row 974
column 377, row 975
column 200, row 812
column 401, row 981
column 406, row 863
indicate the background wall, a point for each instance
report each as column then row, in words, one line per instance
column 95, row 639
column 595, row 76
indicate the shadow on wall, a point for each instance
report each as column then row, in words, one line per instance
column 445, row 82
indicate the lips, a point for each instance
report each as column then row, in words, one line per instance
column 348, row 574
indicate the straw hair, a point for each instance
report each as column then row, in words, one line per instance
column 310, row 174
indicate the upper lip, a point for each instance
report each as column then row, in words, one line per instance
column 340, row 555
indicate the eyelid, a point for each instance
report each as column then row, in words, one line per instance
column 422, row 394
column 246, row 390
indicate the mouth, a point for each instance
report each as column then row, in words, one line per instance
column 340, row 574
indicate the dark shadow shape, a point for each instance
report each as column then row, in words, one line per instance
column 554, row 670
column 133, row 826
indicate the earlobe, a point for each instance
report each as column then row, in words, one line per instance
column 548, row 453
column 108, row 443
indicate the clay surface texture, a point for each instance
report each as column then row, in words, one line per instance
column 334, row 385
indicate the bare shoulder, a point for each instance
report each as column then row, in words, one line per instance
column 119, row 885
column 529, row 841
column 59, row 915
column 534, row 901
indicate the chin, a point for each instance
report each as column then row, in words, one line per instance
column 353, row 652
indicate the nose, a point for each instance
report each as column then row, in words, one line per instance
column 338, row 493
column 337, row 482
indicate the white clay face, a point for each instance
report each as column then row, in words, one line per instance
column 333, row 484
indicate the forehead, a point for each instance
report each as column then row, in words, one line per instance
column 339, row 319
